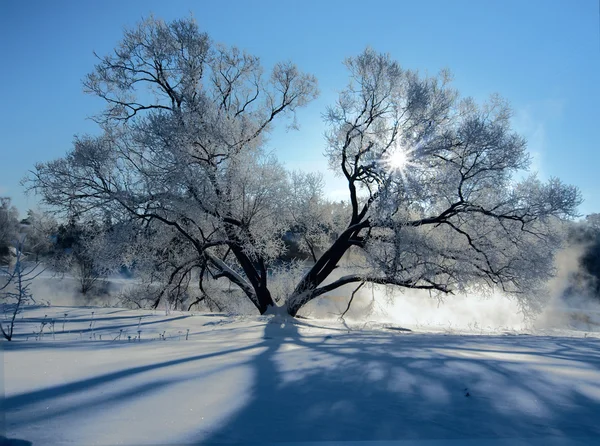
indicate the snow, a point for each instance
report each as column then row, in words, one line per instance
column 273, row 379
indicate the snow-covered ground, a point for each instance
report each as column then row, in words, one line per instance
column 123, row 377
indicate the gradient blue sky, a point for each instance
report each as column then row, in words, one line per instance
column 543, row 56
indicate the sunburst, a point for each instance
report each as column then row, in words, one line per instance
column 398, row 160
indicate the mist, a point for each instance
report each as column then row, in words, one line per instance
column 376, row 304
column 472, row 312
column 63, row 290
column 577, row 310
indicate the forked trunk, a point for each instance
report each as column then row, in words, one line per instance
column 307, row 289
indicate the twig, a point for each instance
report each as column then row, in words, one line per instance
column 351, row 299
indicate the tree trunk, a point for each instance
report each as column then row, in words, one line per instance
column 257, row 276
column 293, row 308
column 264, row 300
column 307, row 288
column 305, row 291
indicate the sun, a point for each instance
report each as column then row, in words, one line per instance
column 397, row 160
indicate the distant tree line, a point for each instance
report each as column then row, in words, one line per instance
column 66, row 247
column 585, row 282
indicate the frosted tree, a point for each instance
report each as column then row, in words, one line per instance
column 89, row 251
column 9, row 227
column 41, row 230
column 182, row 148
column 431, row 178
column 433, row 198
column 314, row 220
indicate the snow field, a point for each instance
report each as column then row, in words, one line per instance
column 272, row 379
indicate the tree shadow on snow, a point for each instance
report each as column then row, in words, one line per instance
column 378, row 387
column 13, row 442
column 368, row 386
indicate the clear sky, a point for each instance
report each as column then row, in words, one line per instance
column 543, row 56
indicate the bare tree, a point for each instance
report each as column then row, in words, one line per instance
column 187, row 154
column 431, row 178
column 433, row 198
column 15, row 291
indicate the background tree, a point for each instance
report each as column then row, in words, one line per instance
column 434, row 202
column 9, row 228
column 42, row 230
column 85, row 250
column 591, row 259
column 585, row 282
column 314, row 222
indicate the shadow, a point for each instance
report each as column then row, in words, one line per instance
column 267, row 407
column 315, row 385
column 399, row 387
column 13, row 442
column 85, row 344
column 104, row 403
column 24, row 399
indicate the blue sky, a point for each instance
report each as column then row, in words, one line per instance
column 543, row 56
